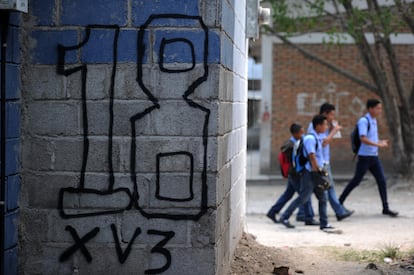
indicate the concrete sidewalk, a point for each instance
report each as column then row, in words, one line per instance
column 366, row 229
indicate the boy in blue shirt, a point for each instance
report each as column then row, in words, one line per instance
column 293, row 183
column 314, row 151
column 368, row 155
column 329, row 111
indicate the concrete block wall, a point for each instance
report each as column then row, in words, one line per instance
column 12, row 138
column 134, row 132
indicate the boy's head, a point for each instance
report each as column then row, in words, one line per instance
column 374, row 107
column 319, row 123
column 328, row 110
column 296, row 130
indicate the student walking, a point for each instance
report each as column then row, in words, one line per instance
column 368, row 155
column 293, row 183
column 313, row 151
column 328, row 110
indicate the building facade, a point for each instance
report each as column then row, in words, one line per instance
column 294, row 87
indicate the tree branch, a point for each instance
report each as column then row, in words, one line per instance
column 404, row 10
column 325, row 63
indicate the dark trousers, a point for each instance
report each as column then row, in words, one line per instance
column 373, row 164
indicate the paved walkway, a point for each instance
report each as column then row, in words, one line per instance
column 366, row 229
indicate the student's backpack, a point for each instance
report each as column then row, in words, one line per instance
column 355, row 139
column 285, row 158
column 299, row 159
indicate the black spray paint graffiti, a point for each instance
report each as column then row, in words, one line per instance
column 126, row 197
column 122, row 256
column 79, row 244
column 157, row 108
column 124, row 194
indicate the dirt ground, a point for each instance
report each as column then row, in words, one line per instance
column 269, row 248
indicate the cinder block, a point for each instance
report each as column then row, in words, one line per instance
column 147, row 150
column 105, row 261
column 44, row 83
column 53, row 118
column 240, row 86
column 33, row 222
column 44, row 46
column 185, row 260
column 13, row 119
column 11, row 261
column 209, row 10
column 103, row 39
column 132, row 220
column 12, row 192
column 124, row 110
column 44, row 12
column 98, row 81
column 37, row 154
column 203, row 231
column 179, row 46
column 227, row 53
column 12, row 81
column 142, row 10
column 127, row 46
column 10, row 226
column 126, row 84
column 176, row 191
column 228, row 19
column 15, row 19
column 103, row 12
column 208, row 90
column 226, row 87
column 57, row 233
column 13, row 45
column 50, row 184
column 12, row 156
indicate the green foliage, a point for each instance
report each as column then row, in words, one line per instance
column 304, row 16
column 390, row 251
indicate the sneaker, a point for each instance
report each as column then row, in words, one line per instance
column 312, row 222
column 272, row 217
column 300, row 219
column 287, row 223
column 328, row 226
column 390, row 213
column 344, row 216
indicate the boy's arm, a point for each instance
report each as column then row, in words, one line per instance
column 313, row 162
column 329, row 138
column 380, row 143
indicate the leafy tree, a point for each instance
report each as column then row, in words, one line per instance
column 382, row 18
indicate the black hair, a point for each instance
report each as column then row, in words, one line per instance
column 371, row 103
column 295, row 128
column 318, row 119
column 326, row 108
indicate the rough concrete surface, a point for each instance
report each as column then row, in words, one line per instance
column 367, row 228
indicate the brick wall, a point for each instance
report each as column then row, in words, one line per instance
column 300, row 86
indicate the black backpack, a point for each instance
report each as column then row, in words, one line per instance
column 355, row 139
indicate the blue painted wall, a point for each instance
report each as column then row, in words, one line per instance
column 12, row 164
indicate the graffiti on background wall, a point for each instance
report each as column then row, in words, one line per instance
column 308, row 103
column 193, row 185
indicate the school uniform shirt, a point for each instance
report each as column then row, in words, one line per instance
column 309, row 143
column 322, row 136
column 372, row 135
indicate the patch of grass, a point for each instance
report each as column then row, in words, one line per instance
column 375, row 256
column 391, row 251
